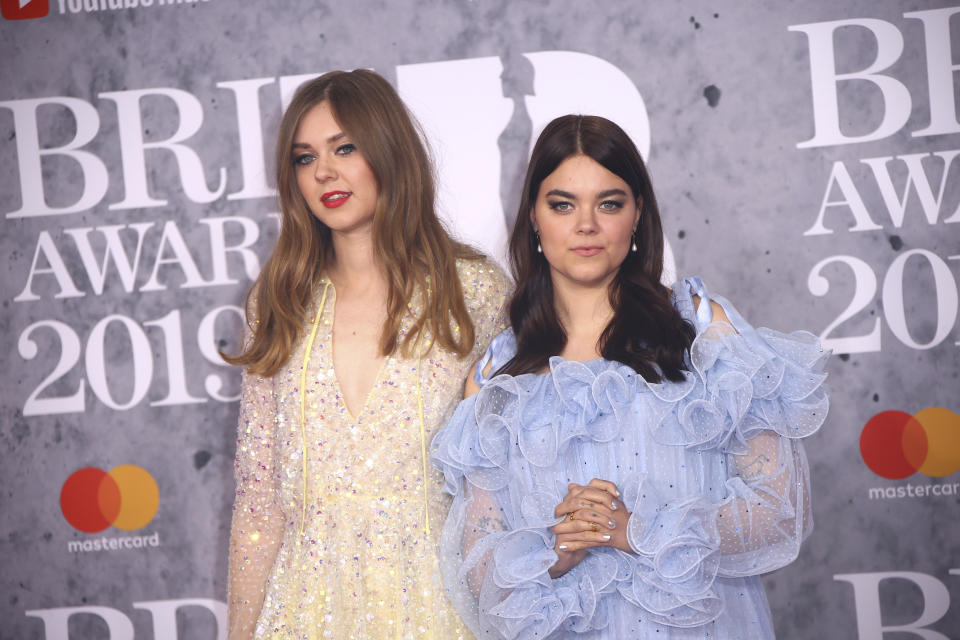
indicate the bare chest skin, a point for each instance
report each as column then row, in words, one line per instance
column 357, row 361
column 581, row 347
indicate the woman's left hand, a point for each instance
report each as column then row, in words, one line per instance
column 597, row 504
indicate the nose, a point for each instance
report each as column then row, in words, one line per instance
column 323, row 170
column 586, row 222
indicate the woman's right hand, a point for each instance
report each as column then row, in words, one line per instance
column 593, row 515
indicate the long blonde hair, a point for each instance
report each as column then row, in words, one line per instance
column 414, row 249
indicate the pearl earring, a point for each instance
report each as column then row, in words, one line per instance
column 633, row 247
column 539, row 248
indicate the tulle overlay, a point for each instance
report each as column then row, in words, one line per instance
column 711, row 469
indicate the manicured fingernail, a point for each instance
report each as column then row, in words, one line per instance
column 562, row 547
column 613, row 505
column 613, row 525
column 616, row 493
column 606, row 536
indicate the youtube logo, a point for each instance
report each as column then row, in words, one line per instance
column 24, row 9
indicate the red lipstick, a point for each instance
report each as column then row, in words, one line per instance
column 333, row 199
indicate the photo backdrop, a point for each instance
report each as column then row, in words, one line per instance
column 805, row 157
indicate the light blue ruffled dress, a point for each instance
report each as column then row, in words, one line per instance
column 711, row 468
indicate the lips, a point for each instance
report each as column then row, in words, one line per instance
column 587, row 251
column 333, row 199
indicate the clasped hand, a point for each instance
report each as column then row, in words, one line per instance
column 594, row 516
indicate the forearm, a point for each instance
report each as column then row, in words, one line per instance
column 762, row 526
column 254, row 542
column 756, row 528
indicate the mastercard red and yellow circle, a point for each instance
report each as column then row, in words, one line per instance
column 895, row 444
column 126, row 497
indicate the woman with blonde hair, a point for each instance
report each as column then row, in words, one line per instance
column 630, row 462
column 362, row 327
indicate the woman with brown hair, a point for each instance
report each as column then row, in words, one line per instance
column 362, row 326
column 629, row 463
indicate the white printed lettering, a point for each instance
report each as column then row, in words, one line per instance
column 30, row 156
column 824, row 81
column 840, row 177
column 134, row 148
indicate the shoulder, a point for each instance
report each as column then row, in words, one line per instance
column 471, row 387
column 717, row 314
column 481, row 273
column 502, row 348
column 700, row 308
column 485, row 285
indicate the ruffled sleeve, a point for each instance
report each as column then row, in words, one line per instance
column 754, row 395
column 711, row 468
column 496, row 546
column 257, row 525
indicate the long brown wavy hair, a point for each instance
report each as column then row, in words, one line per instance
column 646, row 332
column 411, row 243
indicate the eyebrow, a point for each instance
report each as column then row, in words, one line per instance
column 603, row 194
column 612, row 192
column 333, row 138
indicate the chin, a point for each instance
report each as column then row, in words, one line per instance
column 591, row 278
column 344, row 224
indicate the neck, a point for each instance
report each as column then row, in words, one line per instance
column 355, row 267
column 584, row 311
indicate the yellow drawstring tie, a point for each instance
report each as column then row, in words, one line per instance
column 303, row 403
column 423, row 446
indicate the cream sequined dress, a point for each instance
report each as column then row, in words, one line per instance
column 356, row 559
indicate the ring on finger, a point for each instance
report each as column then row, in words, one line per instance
column 594, row 527
column 570, row 516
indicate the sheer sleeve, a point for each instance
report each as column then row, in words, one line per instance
column 759, row 393
column 757, row 527
column 496, row 546
column 767, row 514
column 257, row 519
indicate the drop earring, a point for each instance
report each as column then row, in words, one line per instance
column 633, row 236
column 539, row 248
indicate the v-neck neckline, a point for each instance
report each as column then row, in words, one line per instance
column 338, row 388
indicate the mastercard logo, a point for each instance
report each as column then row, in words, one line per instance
column 126, row 497
column 896, row 445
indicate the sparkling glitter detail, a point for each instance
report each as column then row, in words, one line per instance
column 365, row 565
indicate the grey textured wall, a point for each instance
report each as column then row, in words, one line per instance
column 722, row 94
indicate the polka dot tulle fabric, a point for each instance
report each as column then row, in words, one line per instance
column 711, row 468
